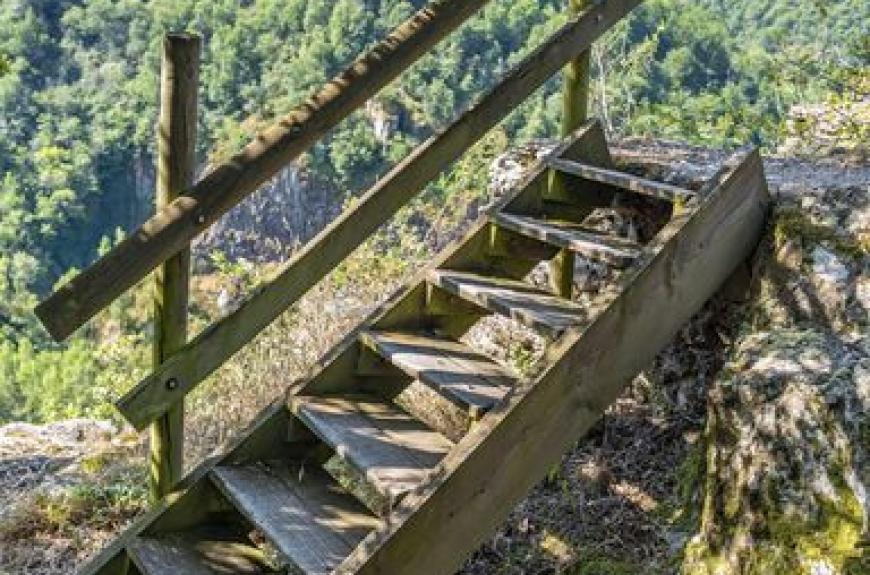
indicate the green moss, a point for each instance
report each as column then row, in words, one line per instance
column 833, row 537
column 599, row 564
column 792, row 223
column 701, row 559
column 96, row 463
column 690, row 478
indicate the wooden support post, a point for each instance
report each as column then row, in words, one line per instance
column 575, row 92
column 575, row 113
column 214, row 345
column 176, row 160
column 562, row 273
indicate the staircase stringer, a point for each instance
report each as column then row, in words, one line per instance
column 513, row 446
column 271, row 429
column 195, row 496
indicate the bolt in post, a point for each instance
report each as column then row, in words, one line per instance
column 176, row 159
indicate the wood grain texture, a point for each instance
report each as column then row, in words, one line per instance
column 462, row 375
column 195, row 498
column 575, row 82
column 584, row 241
column 268, row 433
column 514, row 299
column 172, row 229
column 624, row 181
column 176, row 164
column 309, row 519
column 217, row 343
column 394, row 451
column 212, row 550
column 434, row 529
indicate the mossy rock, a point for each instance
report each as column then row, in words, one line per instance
column 784, row 489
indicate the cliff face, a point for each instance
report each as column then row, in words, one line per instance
column 268, row 225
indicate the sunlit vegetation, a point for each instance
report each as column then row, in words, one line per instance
column 78, row 81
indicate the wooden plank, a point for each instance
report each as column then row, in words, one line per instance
column 562, row 273
column 210, row 550
column 514, row 299
column 195, row 498
column 575, row 87
column 624, row 181
column 588, row 243
column 466, row 377
column 434, row 530
column 302, row 511
column 393, row 450
column 176, row 165
column 209, row 350
column 268, row 431
column 172, row 229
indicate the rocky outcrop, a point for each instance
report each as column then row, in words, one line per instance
column 786, row 475
column 272, row 222
column 40, row 457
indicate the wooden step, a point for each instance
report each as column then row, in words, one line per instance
column 588, row 243
column 514, row 299
column 622, row 180
column 462, row 375
column 394, row 451
column 303, row 512
column 208, row 550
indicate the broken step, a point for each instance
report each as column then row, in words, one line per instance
column 467, row 378
column 515, row 299
column 593, row 245
column 312, row 523
column 207, row 550
column 394, row 451
column 622, row 180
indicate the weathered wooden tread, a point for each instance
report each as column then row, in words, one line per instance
column 309, row 519
column 512, row 298
column 209, row 550
column 394, row 451
column 594, row 245
column 462, row 375
column 622, row 180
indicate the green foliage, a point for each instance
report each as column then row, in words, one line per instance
column 78, row 84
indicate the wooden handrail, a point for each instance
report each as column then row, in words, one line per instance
column 211, row 348
column 172, row 229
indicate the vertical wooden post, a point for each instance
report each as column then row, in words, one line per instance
column 575, row 92
column 176, row 159
column 575, row 113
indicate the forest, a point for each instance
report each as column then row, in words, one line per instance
column 78, row 97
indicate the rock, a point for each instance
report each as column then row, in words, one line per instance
column 787, row 474
column 70, row 435
column 49, row 456
column 828, row 268
column 788, row 430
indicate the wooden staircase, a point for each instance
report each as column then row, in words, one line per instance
column 270, row 503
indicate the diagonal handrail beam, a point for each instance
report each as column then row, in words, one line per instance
column 172, row 229
column 167, row 385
